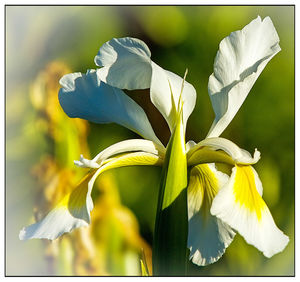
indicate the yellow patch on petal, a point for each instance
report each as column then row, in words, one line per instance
column 208, row 180
column 203, row 187
column 75, row 200
column 245, row 191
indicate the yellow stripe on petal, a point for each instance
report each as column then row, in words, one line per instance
column 203, row 186
column 239, row 204
column 78, row 202
column 208, row 236
column 246, row 193
column 71, row 212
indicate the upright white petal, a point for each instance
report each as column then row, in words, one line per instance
column 126, row 64
column 165, row 93
column 85, row 96
column 240, row 205
column 241, row 58
column 208, row 236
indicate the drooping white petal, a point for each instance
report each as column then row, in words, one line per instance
column 210, row 150
column 125, row 63
column 208, row 236
column 85, row 96
column 133, row 145
column 240, row 205
column 74, row 210
column 241, row 58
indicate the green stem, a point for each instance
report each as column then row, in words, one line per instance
column 171, row 226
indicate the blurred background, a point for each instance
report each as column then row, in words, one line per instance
column 44, row 43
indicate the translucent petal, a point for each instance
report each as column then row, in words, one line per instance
column 240, row 205
column 220, row 150
column 85, row 96
column 208, row 236
column 74, row 210
column 241, row 58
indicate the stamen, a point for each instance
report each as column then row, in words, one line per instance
column 86, row 163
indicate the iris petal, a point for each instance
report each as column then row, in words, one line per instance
column 132, row 145
column 219, row 150
column 165, row 93
column 85, row 96
column 72, row 211
column 240, row 205
column 208, row 236
column 126, row 64
column 241, row 58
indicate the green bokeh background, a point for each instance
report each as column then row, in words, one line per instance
column 179, row 37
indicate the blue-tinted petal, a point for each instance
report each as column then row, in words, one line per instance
column 85, row 96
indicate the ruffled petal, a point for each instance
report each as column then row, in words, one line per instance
column 85, row 96
column 219, row 150
column 74, row 210
column 241, row 58
column 125, row 63
column 240, row 205
column 208, row 236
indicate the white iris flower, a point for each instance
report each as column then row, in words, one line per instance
column 218, row 205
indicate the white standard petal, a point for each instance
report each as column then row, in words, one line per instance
column 125, row 63
column 240, row 205
column 241, row 58
column 166, row 90
column 85, row 96
column 208, row 236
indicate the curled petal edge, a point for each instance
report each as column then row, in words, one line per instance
column 219, row 150
column 127, row 146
